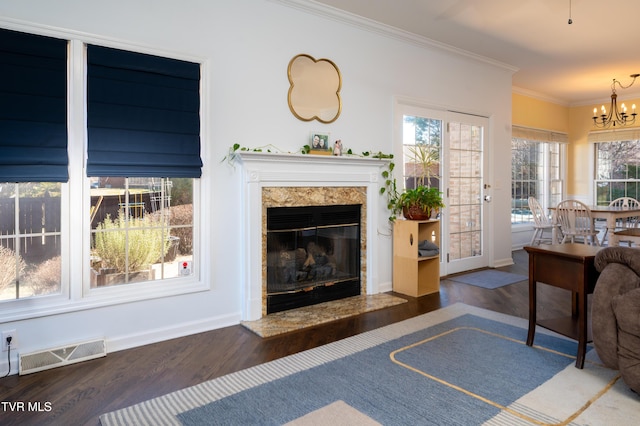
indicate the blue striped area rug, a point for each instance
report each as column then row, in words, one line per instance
column 459, row 365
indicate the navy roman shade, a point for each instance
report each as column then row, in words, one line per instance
column 33, row 108
column 143, row 115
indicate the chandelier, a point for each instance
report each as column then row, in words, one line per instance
column 615, row 116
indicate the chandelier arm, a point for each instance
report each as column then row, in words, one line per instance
column 613, row 85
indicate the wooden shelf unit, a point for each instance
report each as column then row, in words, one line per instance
column 415, row 275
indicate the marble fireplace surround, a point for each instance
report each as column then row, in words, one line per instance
column 286, row 180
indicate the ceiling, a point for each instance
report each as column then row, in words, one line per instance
column 572, row 64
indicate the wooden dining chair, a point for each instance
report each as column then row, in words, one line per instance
column 576, row 222
column 625, row 223
column 541, row 223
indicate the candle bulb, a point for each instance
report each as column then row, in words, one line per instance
column 595, row 111
column 604, row 111
column 633, row 108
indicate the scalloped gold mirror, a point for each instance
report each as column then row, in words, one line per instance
column 314, row 93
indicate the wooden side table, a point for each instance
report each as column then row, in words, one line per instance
column 568, row 266
column 415, row 275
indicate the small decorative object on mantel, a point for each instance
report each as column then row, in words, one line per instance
column 337, row 148
column 320, row 143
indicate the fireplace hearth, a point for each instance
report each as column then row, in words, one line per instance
column 313, row 255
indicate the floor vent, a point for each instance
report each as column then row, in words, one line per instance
column 64, row 355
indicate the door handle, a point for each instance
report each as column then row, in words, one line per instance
column 487, row 198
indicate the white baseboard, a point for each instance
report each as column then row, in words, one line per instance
column 499, row 263
column 118, row 343
column 385, row 287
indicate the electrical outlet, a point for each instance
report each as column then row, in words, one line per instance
column 14, row 340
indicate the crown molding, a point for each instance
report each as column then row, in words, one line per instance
column 540, row 96
column 622, row 97
column 356, row 21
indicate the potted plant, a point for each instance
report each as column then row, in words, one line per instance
column 420, row 203
column 423, row 201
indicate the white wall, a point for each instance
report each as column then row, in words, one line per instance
column 248, row 44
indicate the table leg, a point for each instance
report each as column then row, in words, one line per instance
column 582, row 329
column 611, row 230
column 532, row 303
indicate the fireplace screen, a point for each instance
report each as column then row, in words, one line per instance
column 313, row 255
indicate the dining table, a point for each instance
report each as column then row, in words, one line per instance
column 611, row 214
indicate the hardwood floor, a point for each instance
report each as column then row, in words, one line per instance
column 79, row 393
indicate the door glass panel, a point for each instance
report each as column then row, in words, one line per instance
column 421, row 145
column 465, row 191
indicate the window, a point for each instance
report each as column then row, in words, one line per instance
column 537, row 170
column 143, row 127
column 617, row 171
column 137, row 201
column 33, row 163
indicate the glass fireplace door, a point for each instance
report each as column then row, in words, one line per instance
column 313, row 255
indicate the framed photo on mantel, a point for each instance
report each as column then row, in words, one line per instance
column 319, row 143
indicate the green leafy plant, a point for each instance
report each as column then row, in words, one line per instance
column 421, row 201
column 422, row 198
column 390, row 189
column 140, row 241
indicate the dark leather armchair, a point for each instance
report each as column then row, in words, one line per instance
column 615, row 316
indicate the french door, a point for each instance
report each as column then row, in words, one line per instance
column 461, row 141
column 468, row 199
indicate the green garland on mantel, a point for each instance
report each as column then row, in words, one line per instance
column 232, row 156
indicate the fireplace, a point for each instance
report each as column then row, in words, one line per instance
column 313, row 255
column 274, row 181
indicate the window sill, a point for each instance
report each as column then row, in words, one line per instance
column 43, row 306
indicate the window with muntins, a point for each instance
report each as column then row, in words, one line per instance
column 141, row 186
column 143, row 115
column 617, row 171
column 537, row 170
column 33, row 163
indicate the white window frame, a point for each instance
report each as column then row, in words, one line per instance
column 597, row 179
column 76, row 293
column 545, row 137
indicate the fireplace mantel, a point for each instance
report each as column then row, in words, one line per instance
column 263, row 170
column 273, row 167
